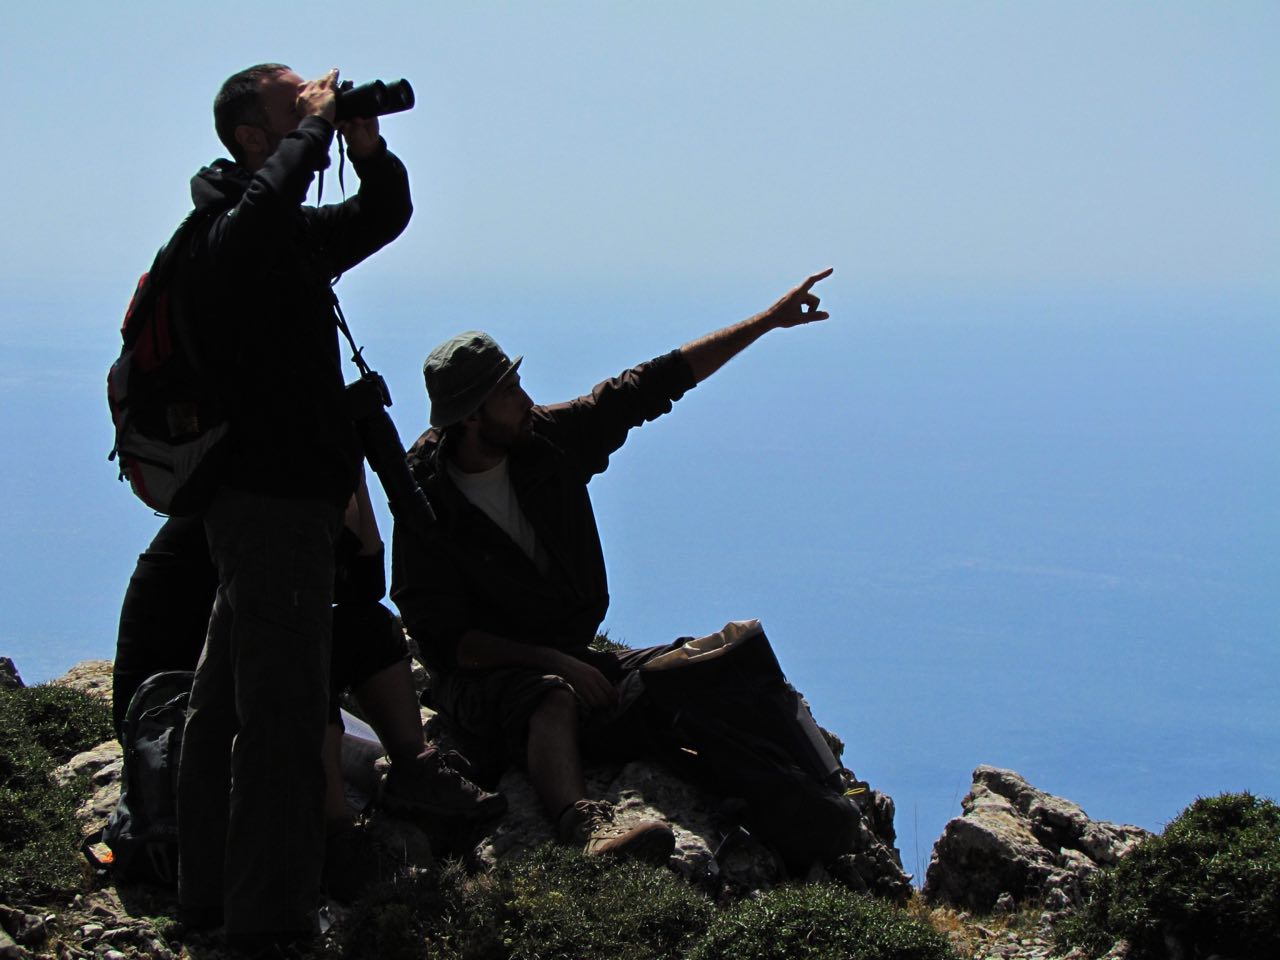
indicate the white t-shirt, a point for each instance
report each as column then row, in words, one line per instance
column 491, row 491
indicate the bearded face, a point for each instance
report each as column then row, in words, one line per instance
column 505, row 419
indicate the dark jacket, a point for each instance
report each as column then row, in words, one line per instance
column 260, row 273
column 470, row 575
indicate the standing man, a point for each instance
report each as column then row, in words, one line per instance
column 508, row 593
column 260, row 265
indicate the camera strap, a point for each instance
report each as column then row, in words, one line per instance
column 357, row 353
column 342, row 164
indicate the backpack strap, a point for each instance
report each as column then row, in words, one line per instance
column 159, row 276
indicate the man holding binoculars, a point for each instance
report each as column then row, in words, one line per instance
column 257, row 272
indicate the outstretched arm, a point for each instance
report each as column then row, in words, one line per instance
column 708, row 354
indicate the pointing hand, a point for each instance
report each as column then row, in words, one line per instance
column 799, row 305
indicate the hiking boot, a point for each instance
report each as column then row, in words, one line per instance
column 429, row 786
column 589, row 824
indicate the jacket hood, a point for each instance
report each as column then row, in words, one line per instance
column 423, row 457
column 219, row 185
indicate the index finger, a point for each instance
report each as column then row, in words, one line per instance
column 814, row 278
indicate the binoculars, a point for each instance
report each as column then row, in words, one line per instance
column 373, row 99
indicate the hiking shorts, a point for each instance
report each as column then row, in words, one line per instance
column 490, row 709
column 366, row 640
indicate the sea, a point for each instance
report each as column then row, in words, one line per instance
column 1036, row 531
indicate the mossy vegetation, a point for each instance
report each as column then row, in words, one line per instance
column 1210, row 881
column 40, row 728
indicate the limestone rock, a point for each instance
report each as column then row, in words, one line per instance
column 10, row 950
column 1014, row 839
column 28, row 929
column 874, row 867
column 88, row 676
column 102, row 764
column 9, row 679
column 98, row 925
column 712, row 849
column 639, row 791
column 104, row 768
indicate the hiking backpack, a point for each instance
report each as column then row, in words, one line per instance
column 171, row 428
column 751, row 731
column 142, row 832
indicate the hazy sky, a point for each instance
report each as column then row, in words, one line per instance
column 594, row 143
column 1023, row 477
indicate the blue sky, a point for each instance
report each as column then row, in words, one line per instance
column 1012, row 504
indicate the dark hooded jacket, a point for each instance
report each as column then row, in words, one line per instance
column 260, row 270
column 470, row 575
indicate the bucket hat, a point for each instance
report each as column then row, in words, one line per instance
column 461, row 373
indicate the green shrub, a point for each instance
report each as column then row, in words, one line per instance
column 1212, row 880
column 63, row 721
column 818, row 921
column 41, row 727
column 561, row 905
column 554, row 904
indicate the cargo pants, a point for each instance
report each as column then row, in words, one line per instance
column 251, row 780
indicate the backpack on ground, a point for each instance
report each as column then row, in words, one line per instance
column 171, row 428
column 728, row 699
column 142, row 832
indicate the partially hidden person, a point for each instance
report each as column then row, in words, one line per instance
column 163, row 622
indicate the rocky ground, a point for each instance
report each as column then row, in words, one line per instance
column 1001, row 875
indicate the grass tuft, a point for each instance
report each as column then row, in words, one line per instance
column 606, row 644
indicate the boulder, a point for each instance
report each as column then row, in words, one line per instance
column 713, row 850
column 639, row 791
column 1014, row 839
column 104, row 768
column 9, row 679
column 88, row 676
column 28, row 929
column 10, row 950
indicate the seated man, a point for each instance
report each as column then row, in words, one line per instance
column 508, row 592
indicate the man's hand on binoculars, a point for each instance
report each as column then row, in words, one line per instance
column 362, row 136
column 318, row 98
